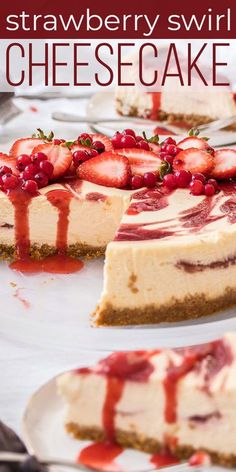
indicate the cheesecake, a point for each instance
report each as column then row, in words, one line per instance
column 180, row 399
column 163, row 214
column 172, row 258
column 182, row 108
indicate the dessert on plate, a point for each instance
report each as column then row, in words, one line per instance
column 180, row 399
column 164, row 213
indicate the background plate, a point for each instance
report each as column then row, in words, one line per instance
column 102, row 105
column 53, row 311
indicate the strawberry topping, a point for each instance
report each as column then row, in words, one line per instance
column 224, row 164
column 141, row 161
column 194, row 142
column 194, row 160
column 58, row 154
column 24, row 146
column 108, row 169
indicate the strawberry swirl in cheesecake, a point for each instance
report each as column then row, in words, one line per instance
column 163, row 213
column 176, row 400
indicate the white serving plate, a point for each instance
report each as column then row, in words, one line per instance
column 102, row 105
column 58, row 315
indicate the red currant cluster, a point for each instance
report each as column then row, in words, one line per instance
column 82, row 155
column 149, row 179
column 197, row 183
column 169, row 150
column 35, row 172
column 128, row 139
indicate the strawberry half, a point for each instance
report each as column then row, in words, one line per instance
column 141, row 161
column 194, row 160
column 59, row 155
column 8, row 161
column 108, row 169
column 104, row 139
column 194, row 142
column 155, row 147
column 224, row 164
column 24, row 146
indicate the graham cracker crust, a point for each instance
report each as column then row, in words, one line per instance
column 190, row 308
column 171, row 118
column 41, row 252
column 142, row 443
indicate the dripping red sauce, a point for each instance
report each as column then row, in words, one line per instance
column 60, row 263
column 156, row 105
column 100, row 456
column 163, row 459
column 217, row 355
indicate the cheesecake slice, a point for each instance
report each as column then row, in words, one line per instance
column 75, row 217
column 172, row 259
column 183, row 399
column 179, row 107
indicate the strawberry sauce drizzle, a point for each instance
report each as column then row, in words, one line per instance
column 217, row 355
column 100, row 456
column 57, row 264
column 163, row 459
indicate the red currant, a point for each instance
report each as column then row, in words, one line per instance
column 84, row 137
column 30, row 186
column 214, row 183
column 169, row 159
column 137, row 182
column 79, row 157
column 139, row 138
column 98, row 146
column 38, row 157
column 170, row 141
column 116, row 140
column 47, row 168
column 196, row 187
column 199, row 176
column 22, row 161
column 41, row 179
column 183, row 178
column 128, row 141
column 9, row 181
column 209, row 190
column 30, row 171
column 92, row 153
column 171, row 149
column 150, row 179
column 169, row 181
column 143, row 145
column 5, row 170
column 129, row 132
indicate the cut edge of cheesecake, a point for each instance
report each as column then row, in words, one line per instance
column 175, row 398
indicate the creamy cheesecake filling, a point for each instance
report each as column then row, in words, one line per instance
column 59, row 219
column 180, row 398
column 178, row 238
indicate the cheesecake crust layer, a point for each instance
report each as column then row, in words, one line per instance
column 190, row 308
column 136, row 441
column 37, row 252
column 172, row 118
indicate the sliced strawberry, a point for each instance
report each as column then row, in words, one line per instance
column 104, row 139
column 8, row 161
column 224, row 164
column 141, row 161
column 194, row 142
column 108, row 169
column 155, row 148
column 24, row 146
column 194, row 160
column 59, row 155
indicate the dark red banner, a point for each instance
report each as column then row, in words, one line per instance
column 93, row 19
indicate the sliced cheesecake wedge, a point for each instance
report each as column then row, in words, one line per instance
column 172, row 259
column 181, row 399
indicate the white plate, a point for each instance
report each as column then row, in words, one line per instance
column 102, row 105
column 44, row 434
column 59, row 309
